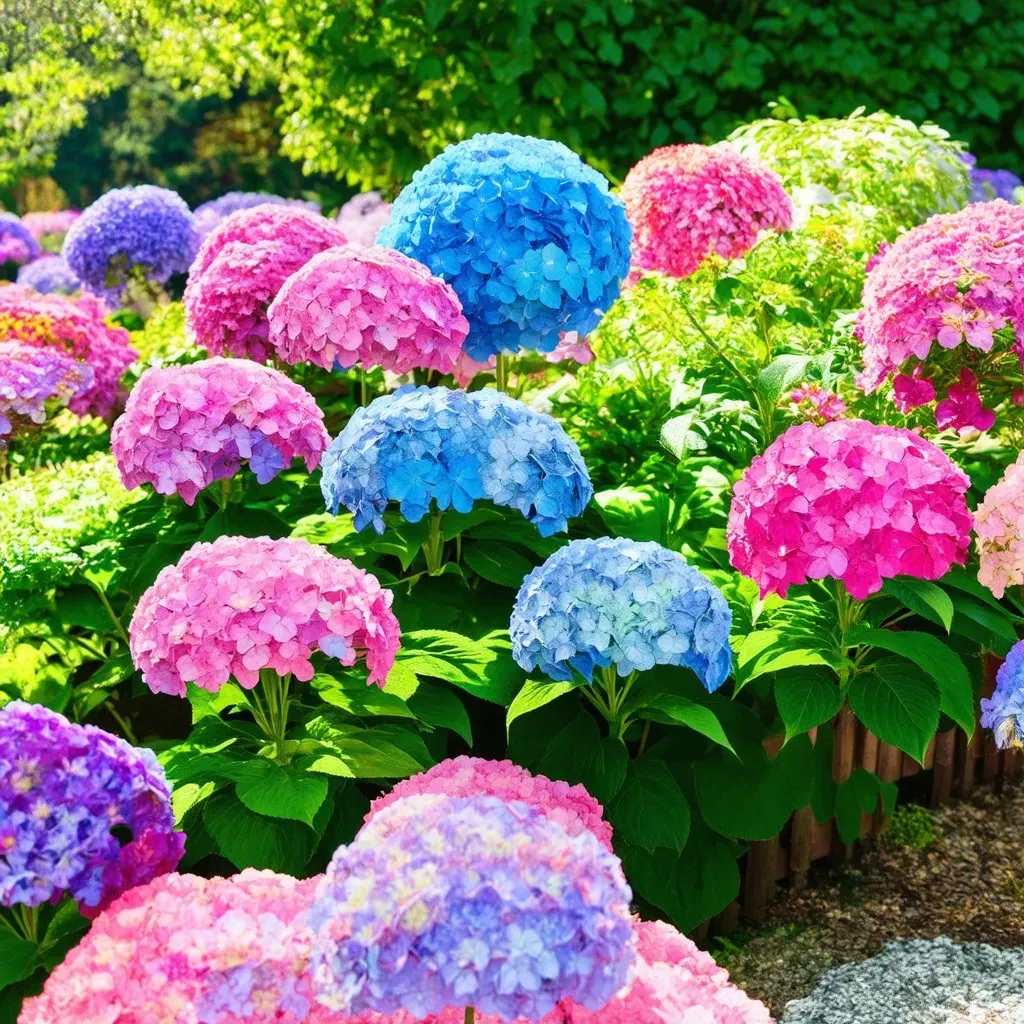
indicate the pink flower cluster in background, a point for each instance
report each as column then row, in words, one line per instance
column 238, row 605
column 363, row 216
column 55, row 222
column 186, row 426
column 955, row 280
column 688, row 202
column 368, row 307
column 851, row 500
column 999, row 525
column 31, row 376
column 239, row 270
column 571, row 807
column 817, row 404
column 573, row 348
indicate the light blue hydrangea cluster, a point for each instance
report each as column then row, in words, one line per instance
column 141, row 230
column 434, row 446
column 614, row 601
column 443, row 901
column 526, row 233
column 209, row 214
column 1003, row 712
column 49, row 274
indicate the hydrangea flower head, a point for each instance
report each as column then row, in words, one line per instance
column 443, row 901
column 850, row 500
column 142, row 229
column 573, row 348
column 999, row 526
column 79, row 328
column 363, row 216
column 209, row 214
column 426, row 447
column 190, row 950
column 241, row 604
column 1003, row 712
column 51, row 224
column 613, row 601
column 369, row 307
column 30, row 377
column 527, row 234
column 64, row 788
column 818, row 404
column 688, row 202
column 570, row 807
column 17, row 243
column 49, row 273
column 186, row 426
column 987, row 185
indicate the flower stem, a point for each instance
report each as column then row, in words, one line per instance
column 271, row 710
column 118, row 624
column 501, row 372
column 470, row 1017
column 362, row 387
column 433, row 546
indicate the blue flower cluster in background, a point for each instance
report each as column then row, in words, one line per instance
column 614, row 601
column 526, row 233
column 424, row 446
column 987, row 185
column 143, row 231
column 49, row 274
column 1003, row 712
column 209, row 214
column 17, row 244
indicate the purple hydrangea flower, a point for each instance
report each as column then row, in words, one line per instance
column 363, row 216
column 209, row 214
column 81, row 811
column 1003, row 712
column 987, row 185
column 49, row 274
column 443, row 901
column 138, row 231
column 17, row 245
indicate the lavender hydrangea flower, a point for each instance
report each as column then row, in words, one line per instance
column 141, row 230
column 443, row 901
column 30, row 377
column 209, row 214
column 362, row 217
column 434, row 446
column 49, row 274
column 65, row 792
column 17, row 244
column 527, row 234
column 613, row 601
column 1003, row 712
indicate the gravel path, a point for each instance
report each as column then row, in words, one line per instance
column 968, row 885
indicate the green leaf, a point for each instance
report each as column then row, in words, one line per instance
column 439, row 707
column 278, row 791
column 17, row 958
column 239, row 521
column 932, row 656
column 497, row 563
column 535, row 693
column 79, row 606
column 250, row 840
column 898, row 703
column 484, row 669
column 806, row 699
column 572, row 750
column 635, row 512
column 206, row 704
column 672, row 709
column 781, row 373
column 924, row 598
column 385, row 751
column 606, row 770
column 354, row 697
column 111, row 673
column 997, row 623
column 650, row 809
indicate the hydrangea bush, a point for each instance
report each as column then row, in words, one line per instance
column 17, row 243
column 362, row 217
column 30, row 377
column 210, row 214
column 997, row 524
column 1003, row 712
column 49, row 273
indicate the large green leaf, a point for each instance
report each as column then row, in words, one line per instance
column 279, row 791
column 606, row 771
column 353, row 696
column 482, row 668
column 17, row 958
column 806, row 699
column 673, row 709
column 858, row 795
column 781, row 373
column 925, row 598
column 439, row 707
column 251, row 840
column 497, row 563
column 571, row 751
column 650, row 810
column 239, row 521
column 385, row 751
column 534, row 694
column 898, row 703
column 638, row 513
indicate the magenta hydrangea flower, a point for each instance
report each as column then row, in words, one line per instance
column 241, row 267
column 190, row 950
column 817, row 404
column 444, row 901
column 911, row 392
column 954, row 282
column 999, row 525
column 363, row 216
column 186, row 426
column 30, row 377
column 242, row 604
column 368, row 307
column 65, row 792
column 961, row 409
column 570, row 807
column 688, row 202
column 850, row 500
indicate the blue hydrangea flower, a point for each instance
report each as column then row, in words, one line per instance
column 526, row 233
column 17, row 245
column 443, row 901
column 141, row 230
column 613, row 601
column 50, row 273
column 64, row 789
column 434, row 446
column 1003, row 712
column 208, row 215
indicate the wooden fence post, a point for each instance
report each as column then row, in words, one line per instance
column 942, row 778
column 843, row 755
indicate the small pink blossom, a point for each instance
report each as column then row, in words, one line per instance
column 466, row 369
column 236, row 606
column 999, row 526
column 573, row 348
column 363, row 216
column 961, row 409
column 913, row 391
column 817, row 404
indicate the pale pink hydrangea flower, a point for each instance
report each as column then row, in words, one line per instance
column 466, row 369
column 688, row 202
column 999, row 525
column 53, row 222
column 571, row 807
column 186, row 426
column 573, row 348
column 369, row 307
column 851, row 500
column 818, row 404
column 242, row 604
column 363, row 216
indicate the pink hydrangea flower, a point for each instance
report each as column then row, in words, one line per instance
column 572, row 807
column 573, row 348
column 688, row 202
column 186, row 426
column 31, row 376
column 961, row 409
column 817, row 404
column 241, row 604
column 363, row 216
column 55, row 222
column 370, row 307
column 241, row 267
column 851, row 500
column 999, row 525
column 190, row 950
column 466, row 369
column 910, row 392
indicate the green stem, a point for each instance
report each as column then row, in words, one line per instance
column 362, row 387
column 644, row 737
column 129, row 733
column 433, row 546
column 24, row 921
column 709, row 341
column 118, row 625
column 849, row 612
column 271, row 709
column 501, row 372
